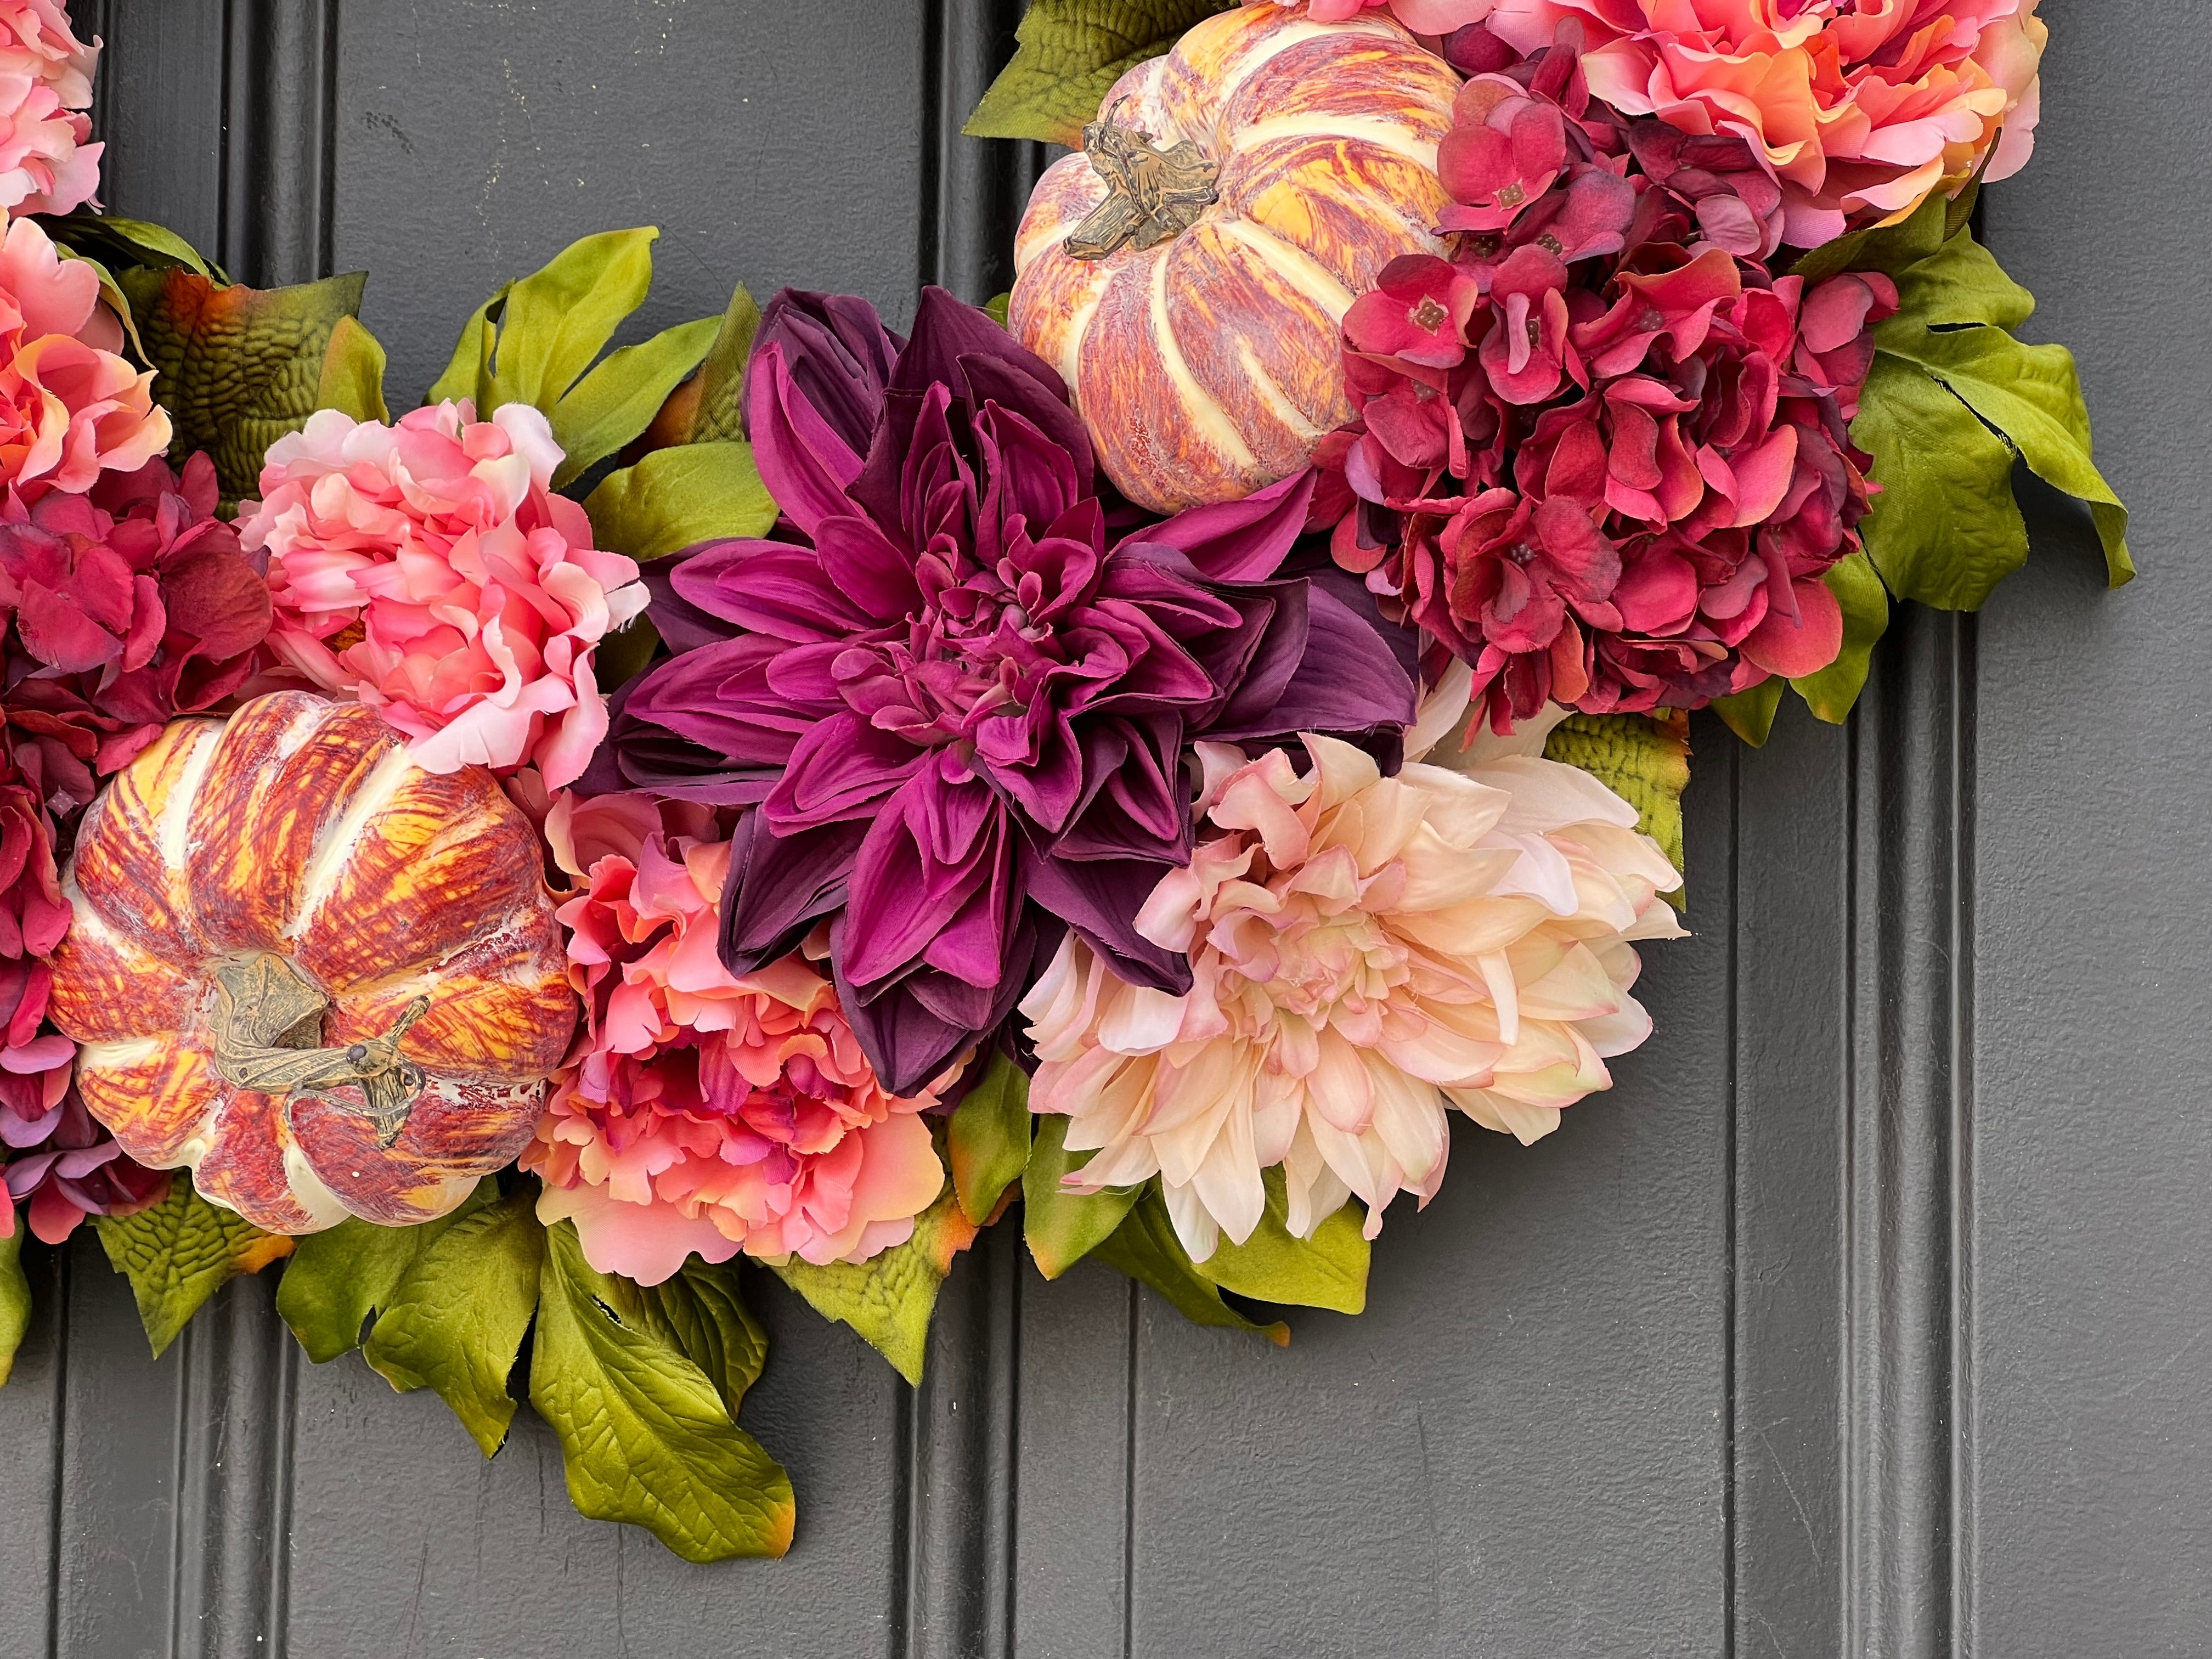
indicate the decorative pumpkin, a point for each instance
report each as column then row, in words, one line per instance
column 1187, row 272
column 326, row 981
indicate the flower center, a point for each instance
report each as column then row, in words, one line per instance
column 1428, row 316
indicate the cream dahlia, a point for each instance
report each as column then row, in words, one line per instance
column 1367, row 951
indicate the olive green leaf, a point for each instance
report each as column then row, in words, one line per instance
column 456, row 1320
column 646, row 1435
column 338, row 1279
column 353, row 373
column 239, row 367
column 999, row 305
column 988, row 1141
column 719, row 416
column 1643, row 758
column 1750, row 714
column 1959, row 285
column 1889, row 248
column 673, row 498
column 1061, row 1227
column 14, row 1298
column 181, row 1252
column 468, row 372
column 1328, row 1270
column 1144, row 1247
column 888, row 1298
column 1069, row 54
column 701, row 1311
column 624, row 652
column 619, row 397
column 121, row 244
column 1831, row 692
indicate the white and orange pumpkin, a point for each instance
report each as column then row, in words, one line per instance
column 1205, row 364
column 325, row 981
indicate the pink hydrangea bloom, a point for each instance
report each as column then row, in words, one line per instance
column 1422, row 16
column 428, row 570
column 1368, row 951
column 70, row 407
column 1854, row 109
column 46, row 87
column 700, row 1112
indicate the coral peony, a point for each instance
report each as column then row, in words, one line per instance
column 428, row 570
column 1854, row 109
column 1603, row 455
column 71, row 408
column 46, row 87
column 701, row 1112
column 1365, row 952
column 964, row 701
column 1422, row 16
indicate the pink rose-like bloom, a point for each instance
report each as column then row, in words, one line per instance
column 1421, row 16
column 46, row 87
column 700, row 1112
column 1854, row 109
column 428, row 570
column 1367, row 951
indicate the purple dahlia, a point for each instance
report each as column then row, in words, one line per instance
column 963, row 691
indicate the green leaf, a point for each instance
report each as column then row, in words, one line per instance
column 888, row 1298
column 987, row 1142
column 618, row 399
column 1643, row 758
column 673, row 498
column 1886, row 248
column 555, row 321
column 721, row 415
column 1959, row 284
column 14, row 1298
column 999, row 305
column 1945, row 529
column 353, row 373
column 1061, row 1227
column 456, row 1321
column 701, row 1311
column 1144, row 1247
column 122, row 244
column 624, row 652
column 2032, row 394
column 338, row 1279
column 1750, row 714
column 240, row 367
column 1831, row 693
column 181, row 1252
column 1069, row 54
column 1328, row 1270
column 468, row 371
column 645, row 1435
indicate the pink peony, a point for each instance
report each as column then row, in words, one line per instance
column 71, row 408
column 46, row 87
column 1421, row 16
column 700, row 1112
column 1854, row 109
column 428, row 570
column 1367, row 951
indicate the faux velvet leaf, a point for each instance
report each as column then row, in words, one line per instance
column 1069, row 54
column 14, row 1298
column 888, row 1299
column 1144, row 1247
column 240, row 367
column 353, row 373
column 339, row 1279
column 987, row 1141
column 645, row 1436
column 1945, row 529
column 1061, row 1227
column 457, row 1315
column 1831, row 693
column 181, row 1252
column 1328, row 1270
column 673, row 498
column 701, row 1311
column 1643, row 758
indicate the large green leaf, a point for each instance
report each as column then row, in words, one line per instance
column 1069, row 54
column 456, row 1320
column 239, row 367
column 554, row 322
column 888, row 1298
column 988, row 1141
column 1945, row 529
column 14, row 1298
column 1887, row 248
column 719, row 415
column 1061, row 1227
column 701, row 1311
column 339, row 1279
column 1750, row 714
column 1328, row 1270
column 675, row 497
column 353, row 373
column 1959, row 285
column 618, row 399
column 646, row 1435
column 1831, row 693
column 1643, row 758
column 181, row 1252
column 122, row 244
column 468, row 371
column 1144, row 1247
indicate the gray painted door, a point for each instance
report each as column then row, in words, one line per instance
column 1868, row 1315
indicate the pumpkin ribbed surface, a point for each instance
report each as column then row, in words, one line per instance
column 1207, row 366
column 299, row 841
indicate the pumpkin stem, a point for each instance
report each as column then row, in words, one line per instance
column 267, row 1019
column 1152, row 195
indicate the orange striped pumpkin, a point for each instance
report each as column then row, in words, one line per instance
column 1206, row 366
column 298, row 846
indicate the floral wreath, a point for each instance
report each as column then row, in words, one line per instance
column 1149, row 749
